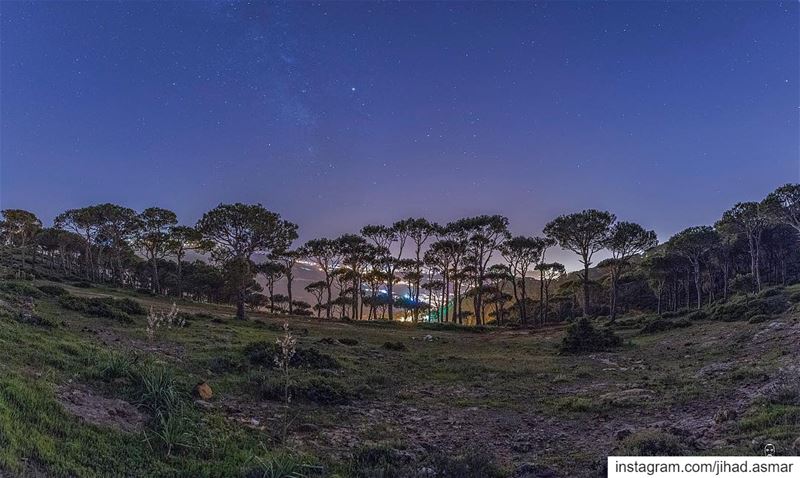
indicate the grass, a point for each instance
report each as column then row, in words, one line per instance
column 347, row 381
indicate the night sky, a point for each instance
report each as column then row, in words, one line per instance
column 341, row 114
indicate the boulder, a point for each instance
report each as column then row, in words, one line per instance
column 203, row 391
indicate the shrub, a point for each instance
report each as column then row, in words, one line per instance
column 454, row 327
column 83, row 285
column 652, row 443
column 661, row 325
column 757, row 319
column 396, row 346
column 674, row 313
column 264, row 353
column 53, row 290
column 21, row 289
column 697, row 315
column 348, row 341
column 321, row 390
column 743, row 308
column 582, row 336
column 108, row 307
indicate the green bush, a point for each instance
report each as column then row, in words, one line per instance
column 108, row 307
column 652, row 443
column 661, row 325
column 396, row 346
column 264, row 353
column 20, row 289
column 757, row 319
column 53, row 290
column 320, row 390
column 674, row 313
column 348, row 341
column 743, row 308
column 697, row 315
column 582, row 336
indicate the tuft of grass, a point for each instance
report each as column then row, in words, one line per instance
column 652, row 443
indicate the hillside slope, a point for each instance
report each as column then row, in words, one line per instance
column 86, row 393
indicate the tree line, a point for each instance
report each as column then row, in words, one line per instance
column 472, row 270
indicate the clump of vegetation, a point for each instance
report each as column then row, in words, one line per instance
column 83, row 285
column 757, row 319
column 396, row 346
column 745, row 307
column 108, row 307
column 320, row 390
column 157, row 319
column 278, row 465
column 697, row 315
column 20, row 289
column 582, row 336
column 53, row 290
column 652, row 443
column 661, row 325
column 264, row 354
column 389, row 462
column 348, row 341
column 675, row 313
column 449, row 326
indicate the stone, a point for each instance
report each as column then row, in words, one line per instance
column 203, row 391
column 725, row 415
column 623, row 433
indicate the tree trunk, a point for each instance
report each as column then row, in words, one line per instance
column 240, row 304
column 390, row 291
column 586, row 289
column 156, row 284
column 697, row 283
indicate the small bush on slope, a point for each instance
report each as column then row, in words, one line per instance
column 582, row 336
column 117, row 309
column 264, row 353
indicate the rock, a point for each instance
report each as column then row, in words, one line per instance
column 623, row 433
column 428, row 338
column 426, row 471
column 203, row 390
column 725, row 415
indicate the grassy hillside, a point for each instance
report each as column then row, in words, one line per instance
column 84, row 392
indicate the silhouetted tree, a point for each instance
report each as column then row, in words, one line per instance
column 326, row 254
column 694, row 244
column 19, row 227
column 238, row 231
column 783, row 205
column 548, row 272
column 154, row 237
column 583, row 233
column 521, row 253
column 625, row 240
column 748, row 219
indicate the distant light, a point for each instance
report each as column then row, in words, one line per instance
column 353, row 88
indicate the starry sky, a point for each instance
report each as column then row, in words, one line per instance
column 341, row 114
